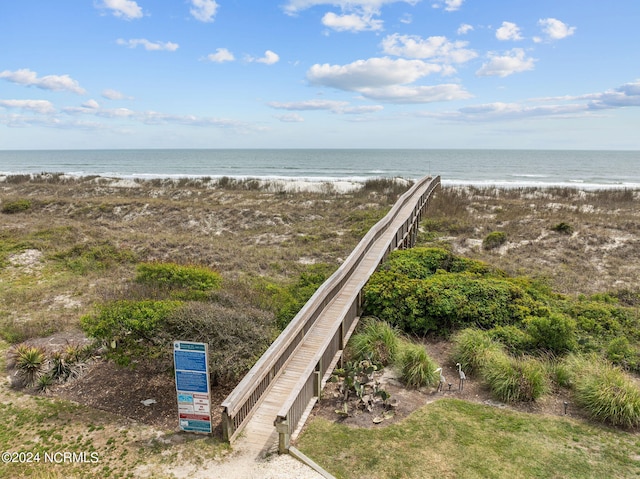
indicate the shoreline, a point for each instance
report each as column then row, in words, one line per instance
column 311, row 184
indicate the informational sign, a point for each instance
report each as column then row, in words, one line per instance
column 192, row 386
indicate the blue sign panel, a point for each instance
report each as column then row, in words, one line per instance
column 192, row 382
column 190, row 361
column 192, row 386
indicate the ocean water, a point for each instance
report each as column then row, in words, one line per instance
column 582, row 169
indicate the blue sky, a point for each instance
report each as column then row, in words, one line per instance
column 320, row 74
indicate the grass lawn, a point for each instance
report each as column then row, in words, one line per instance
column 455, row 439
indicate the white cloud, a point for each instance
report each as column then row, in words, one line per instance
column 555, row 29
column 220, row 56
column 150, row 46
column 204, row 10
column 158, row 118
column 510, row 111
column 371, row 73
column 352, row 22
column 406, row 18
column 91, row 104
column 417, row 94
column 508, row 31
column 513, row 61
column 356, row 15
column 127, row 9
column 449, row 5
column 359, row 110
column 464, row 29
column 290, row 118
column 294, row 6
column 269, row 58
column 50, row 82
column 384, row 79
column 340, row 107
column 110, row 94
column 624, row 96
column 453, row 5
column 309, row 105
column 437, row 48
column 37, row 106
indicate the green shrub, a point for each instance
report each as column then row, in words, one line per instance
column 377, row 341
column 620, row 352
column 515, row 340
column 171, row 275
column 563, row 228
column 555, row 333
column 515, row 379
column 443, row 303
column 16, row 206
column 134, row 327
column 286, row 301
column 494, row 240
column 607, row 394
column 86, row 257
column 416, row 366
column 603, row 318
column 237, row 337
column 420, row 263
column 473, row 349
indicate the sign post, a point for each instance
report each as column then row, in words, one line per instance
column 192, row 386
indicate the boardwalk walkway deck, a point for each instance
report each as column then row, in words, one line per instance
column 312, row 347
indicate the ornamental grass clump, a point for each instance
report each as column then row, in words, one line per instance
column 417, row 367
column 512, row 379
column 607, row 394
column 473, row 348
column 378, row 341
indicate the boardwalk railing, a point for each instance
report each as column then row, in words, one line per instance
column 239, row 405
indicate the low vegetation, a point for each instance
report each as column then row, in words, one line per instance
column 562, row 285
column 453, row 438
column 416, row 366
column 494, row 240
column 504, row 329
column 16, row 206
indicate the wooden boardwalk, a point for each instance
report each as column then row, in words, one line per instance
column 313, row 346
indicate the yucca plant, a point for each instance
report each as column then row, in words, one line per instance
column 15, row 353
column 417, row 367
column 60, row 366
column 44, row 383
column 30, row 362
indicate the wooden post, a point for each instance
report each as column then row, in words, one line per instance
column 284, row 437
column 317, row 384
column 227, row 428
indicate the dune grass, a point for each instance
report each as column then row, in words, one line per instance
column 456, row 439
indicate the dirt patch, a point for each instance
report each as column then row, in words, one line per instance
column 119, row 390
